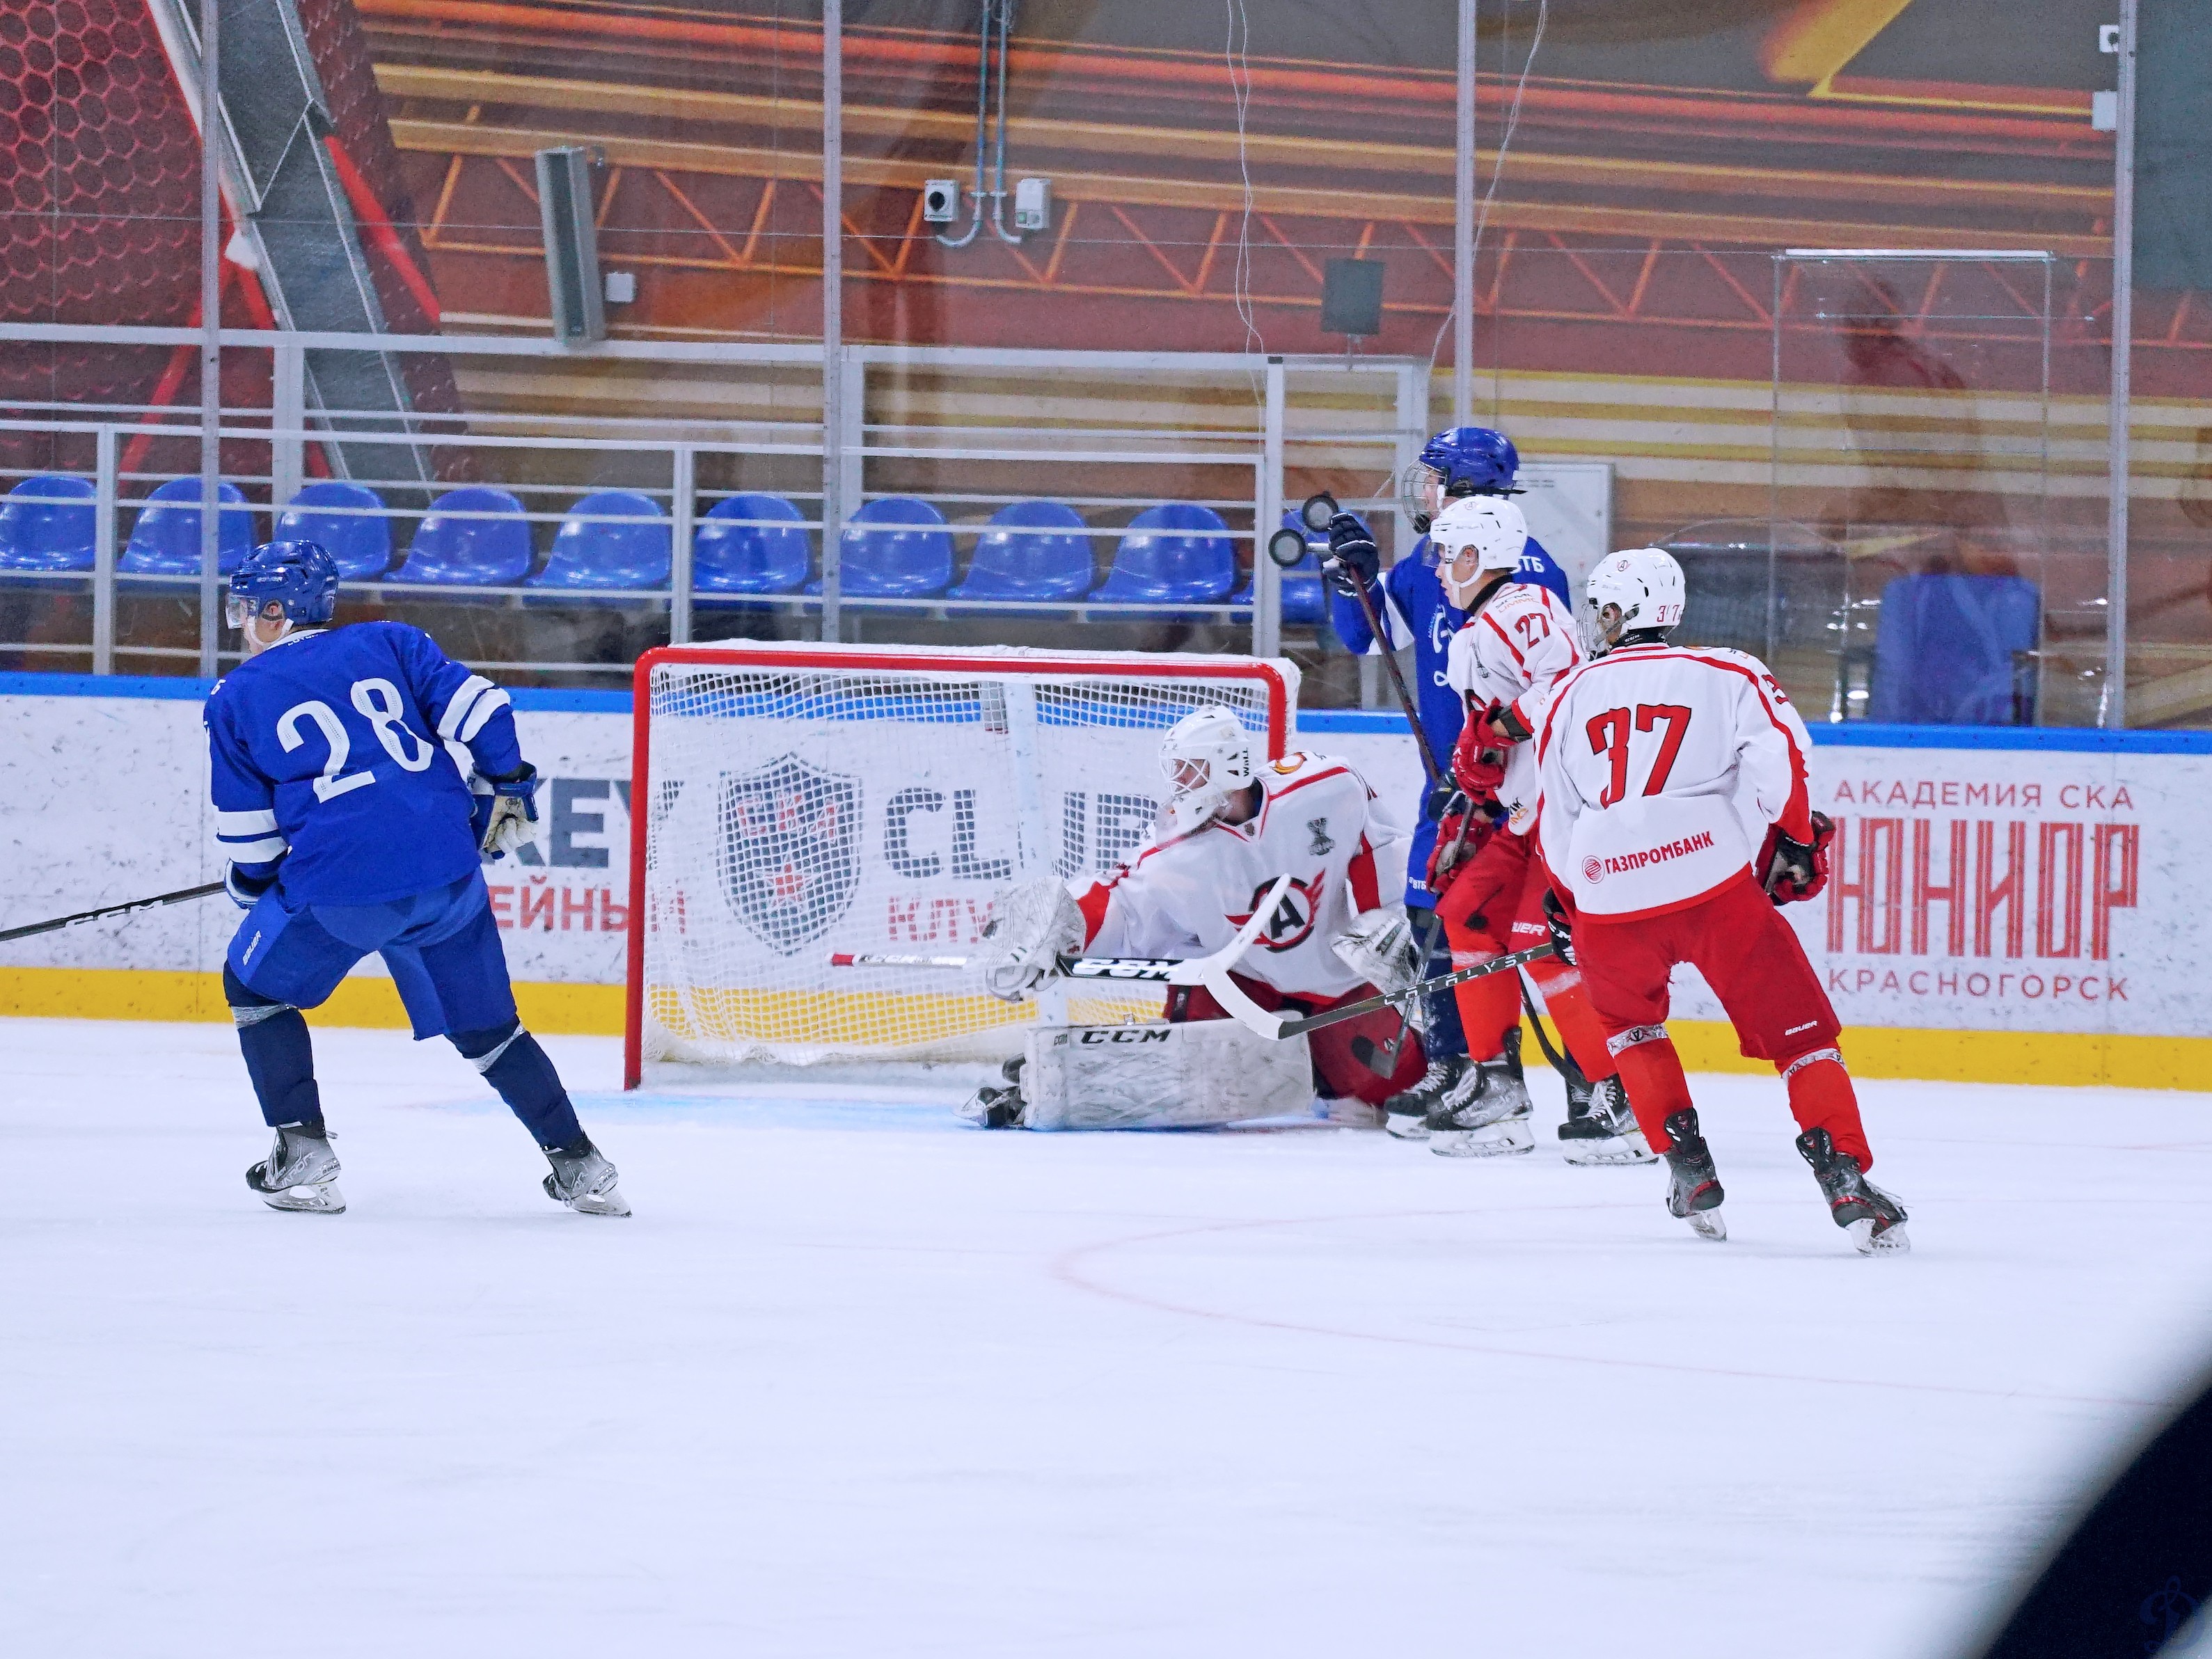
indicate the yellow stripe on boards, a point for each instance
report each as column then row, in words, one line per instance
column 1872, row 1051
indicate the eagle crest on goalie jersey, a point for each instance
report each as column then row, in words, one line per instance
column 790, row 852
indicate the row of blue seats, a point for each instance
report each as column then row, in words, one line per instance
column 897, row 547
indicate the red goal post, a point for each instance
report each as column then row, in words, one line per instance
column 791, row 799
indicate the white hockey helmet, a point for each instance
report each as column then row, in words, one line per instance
column 1491, row 527
column 1206, row 757
column 1644, row 584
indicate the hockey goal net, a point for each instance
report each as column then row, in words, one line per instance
column 793, row 800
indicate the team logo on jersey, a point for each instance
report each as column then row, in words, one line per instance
column 790, row 852
column 1322, row 846
column 1592, row 870
column 1294, row 915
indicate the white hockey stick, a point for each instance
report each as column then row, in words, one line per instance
column 1211, row 972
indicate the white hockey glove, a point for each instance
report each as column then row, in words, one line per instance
column 1031, row 925
column 1379, row 947
column 503, row 810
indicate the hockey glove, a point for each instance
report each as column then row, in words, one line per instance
column 1476, row 768
column 1379, row 947
column 1502, row 727
column 1794, row 870
column 1460, row 835
column 246, row 891
column 504, row 809
column 1030, row 927
column 1561, row 922
column 1353, row 561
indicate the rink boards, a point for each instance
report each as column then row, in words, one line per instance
column 2007, row 906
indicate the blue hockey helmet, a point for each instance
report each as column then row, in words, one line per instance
column 1461, row 460
column 299, row 575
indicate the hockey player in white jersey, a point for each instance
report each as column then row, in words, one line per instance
column 1675, row 820
column 1518, row 642
column 1231, row 827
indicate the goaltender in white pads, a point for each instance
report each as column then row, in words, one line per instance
column 1280, row 868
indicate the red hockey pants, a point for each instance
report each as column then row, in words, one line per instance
column 1495, row 903
column 1340, row 1070
column 1758, row 970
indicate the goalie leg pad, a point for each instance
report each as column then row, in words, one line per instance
column 1190, row 1075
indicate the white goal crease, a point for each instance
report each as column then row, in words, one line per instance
column 799, row 799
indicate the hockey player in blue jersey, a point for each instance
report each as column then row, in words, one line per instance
column 1410, row 601
column 359, row 778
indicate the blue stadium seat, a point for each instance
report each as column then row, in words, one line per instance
column 362, row 546
column 731, row 556
column 1161, row 562
column 39, row 531
column 1016, row 558
column 166, row 540
column 633, row 555
column 1944, row 651
column 911, row 563
column 451, row 552
column 1304, row 600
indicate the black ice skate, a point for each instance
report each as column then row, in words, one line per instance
column 1875, row 1220
column 1485, row 1112
column 1694, row 1186
column 583, row 1180
column 994, row 1107
column 1600, row 1127
column 1405, row 1115
column 301, row 1172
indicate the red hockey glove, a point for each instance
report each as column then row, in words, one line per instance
column 1460, row 835
column 1477, row 767
column 1794, row 870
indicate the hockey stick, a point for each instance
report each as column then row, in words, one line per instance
column 1277, row 1026
column 1382, row 640
column 108, row 910
column 1151, row 970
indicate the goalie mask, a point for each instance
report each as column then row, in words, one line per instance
column 1644, row 585
column 1206, row 757
column 1474, row 537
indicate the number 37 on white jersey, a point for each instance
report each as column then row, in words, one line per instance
column 1663, row 766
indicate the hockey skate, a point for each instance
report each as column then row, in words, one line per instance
column 1405, row 1115
column 1875, row 1220
column 1694, row 1186
column 1600, row 1127
column 994, row 1107
column 300, row 1173
column 1487, row 1112
column 583, row 1180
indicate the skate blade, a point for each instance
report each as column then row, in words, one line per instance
column 1406, row 1128
column 1480, row 1143
column 1707, row 1223
column 1867, row 1241
column 324, row 1199
column 610, row 1202
column 1617, row 1148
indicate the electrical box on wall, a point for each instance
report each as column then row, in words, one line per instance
column 940, row 201
column 1033, row 205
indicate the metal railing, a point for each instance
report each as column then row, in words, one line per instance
column 685, row 466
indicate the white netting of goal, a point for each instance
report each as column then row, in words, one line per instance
column 802, row 800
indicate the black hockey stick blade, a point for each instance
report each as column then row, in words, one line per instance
column 106, row 911
column 1457, row 976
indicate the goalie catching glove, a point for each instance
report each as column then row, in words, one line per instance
column 1031, row 926
column 1379, row 947
column 1793, row 871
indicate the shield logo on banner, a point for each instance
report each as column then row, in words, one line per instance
column 790, row 849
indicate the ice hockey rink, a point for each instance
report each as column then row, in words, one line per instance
column 857, row 1379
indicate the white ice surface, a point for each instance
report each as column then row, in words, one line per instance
column 857, row 1381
